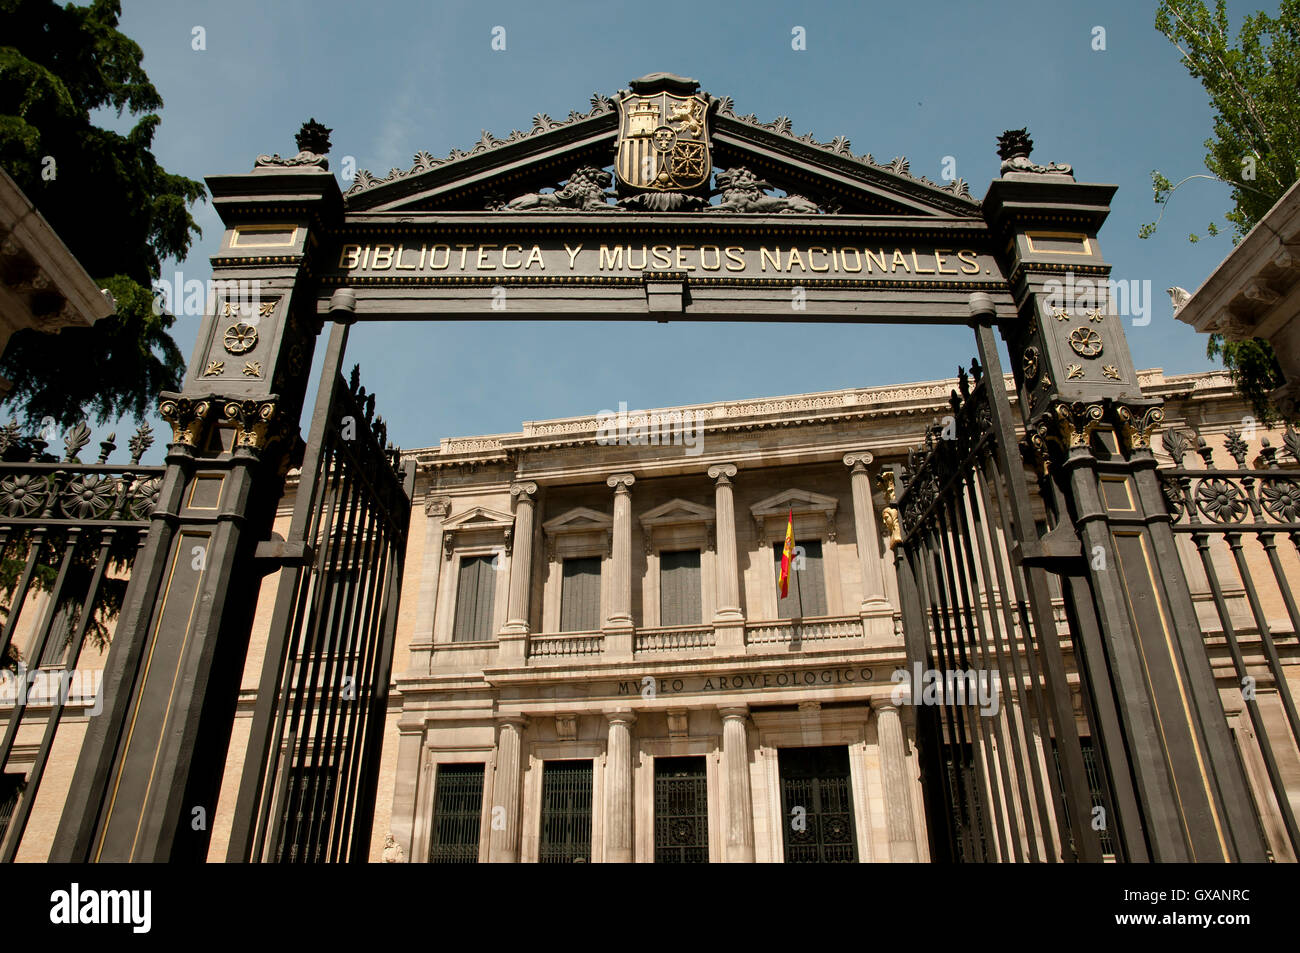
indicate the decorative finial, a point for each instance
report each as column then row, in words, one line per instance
column 313, row 137
column 1014, row 147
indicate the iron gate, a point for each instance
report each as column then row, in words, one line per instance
column 566, row 813
column 991, row 630
column 681, row 811
column 307, row 793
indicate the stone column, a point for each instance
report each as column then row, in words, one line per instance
column 618, row 788
column 738, row 812
column 421, row 657
column 728, row 619
column 513, row 639
column 877, row 614
column 893, row 778
column 503, row 845
column 618, row 627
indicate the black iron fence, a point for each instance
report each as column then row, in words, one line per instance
column 69, row 533
column 1239, row 534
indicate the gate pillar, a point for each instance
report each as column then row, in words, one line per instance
column 150, row 769
column 1155, row 712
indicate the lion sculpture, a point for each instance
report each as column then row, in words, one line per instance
column 585, row 191
column 742, row 191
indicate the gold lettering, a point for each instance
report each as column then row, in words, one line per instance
column 506, row 248
column 351, row 255
column 717, row 257
column 815, row 248
column 764, row 255
column 899, row 259
column 662, row 260
column 386, row 255
column 535, row 255
column 917, row 266
column 967, row 257
column 645, row 259
column 681, row 262
column 433, row 257
column 794, row 254
column 940, row 256
column 573, row 253
column 424, row 250
column 880, row 262
column 397, row 261
column 611, row 259
column 365, row 257
column 463, row 250
column 857, row 259
column 482, row 258
column 737, row 258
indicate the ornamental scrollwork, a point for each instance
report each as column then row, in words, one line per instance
column 1281, row 499
column 89, row 496
column 22, row 494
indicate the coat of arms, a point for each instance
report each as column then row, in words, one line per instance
column 663, row 136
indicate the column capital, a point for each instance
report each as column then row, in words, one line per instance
column 437, row 506
column 523, row 490
column 722, row 473
column 621, row 716
column 882, row 705
column 858, row 460
column 733, row 712
column 621, row 482
column 518, row 721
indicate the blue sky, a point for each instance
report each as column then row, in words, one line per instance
column 920, row 80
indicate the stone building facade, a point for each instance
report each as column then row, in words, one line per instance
column 592, row 659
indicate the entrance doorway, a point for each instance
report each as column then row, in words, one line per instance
column 817, row 806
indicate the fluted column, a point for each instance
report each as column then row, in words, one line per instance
column 739, row 808
column 728, row 619
column 877, row 614
column 893, row 777
column 503, row 843
column 618, row 788
column 513, row 640
column 618, row 626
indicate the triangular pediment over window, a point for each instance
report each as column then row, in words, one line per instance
column 677, row 512
column 801, row 501
column 828, row 177
column 580, row 519
column 479, row 517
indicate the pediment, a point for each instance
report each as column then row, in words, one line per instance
column 828, row 175
column 478, row 517
column 580, row 519
column 677, row 512
column 801, row 501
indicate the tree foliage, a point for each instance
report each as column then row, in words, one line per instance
column 118, row 211
column 1253, row 83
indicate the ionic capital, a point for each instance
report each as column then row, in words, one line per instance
column 621, row 482
column 858, row 460
column 721, row 473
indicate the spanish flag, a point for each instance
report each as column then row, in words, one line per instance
column 787, row 555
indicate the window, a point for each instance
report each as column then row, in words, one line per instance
column 457, row 811
column 679, row 588
column 806, row 593
column 681, row 811
column 566, row 813
column 308, row 810
column 11, row 789
column 580, row 595
column 474, row 597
